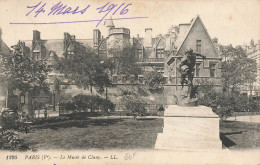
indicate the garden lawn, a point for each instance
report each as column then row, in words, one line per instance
column 95, row 134
column 126, row 134
column 237, row 135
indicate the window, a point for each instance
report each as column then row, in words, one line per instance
column 198, row 46
column 37, row 55
column 160, row 70
column 140, row 79
column 212, row 68
column 160, row 53
column 138, row 53
column 70, row 54
column 197, row 70
column 123, row 77
column 114, row 78
column 22, row 99
column 36, row 92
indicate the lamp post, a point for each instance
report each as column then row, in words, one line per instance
column 54, row 100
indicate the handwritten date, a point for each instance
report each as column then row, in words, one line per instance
column 61, row 9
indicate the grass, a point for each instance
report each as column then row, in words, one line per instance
column 240, row 135
column 245, row 113
column 126, row 134
column 95, row 134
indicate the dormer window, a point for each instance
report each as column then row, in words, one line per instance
column 160, row 53
column 37, row 55
column 138, row 53
column 70, row 54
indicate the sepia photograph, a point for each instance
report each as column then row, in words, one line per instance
column 129, row 82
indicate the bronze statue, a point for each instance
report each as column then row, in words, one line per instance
column 186, row 68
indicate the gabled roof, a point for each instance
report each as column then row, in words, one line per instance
column 56, row 45
column 170, row 59
column 191, row 26
column 138, row 43
column 160, row 42
column 5, row 49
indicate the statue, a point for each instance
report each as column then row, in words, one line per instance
column 186, row 68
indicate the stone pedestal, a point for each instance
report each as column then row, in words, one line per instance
column 189, row 128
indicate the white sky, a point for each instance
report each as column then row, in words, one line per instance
column 232, row 22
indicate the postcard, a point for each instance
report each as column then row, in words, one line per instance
column 129, row 82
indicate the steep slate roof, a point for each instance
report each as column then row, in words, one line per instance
column 160, row 42
column 56, row 45
column 191, row 26
column 182, row 38
column 138, row 43
column 5, row 49
column 86, row 42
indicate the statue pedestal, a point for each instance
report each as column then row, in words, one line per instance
column 189, row 128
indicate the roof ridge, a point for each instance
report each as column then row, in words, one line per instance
column 191, row 26
column 187, row 34
column 58, row 39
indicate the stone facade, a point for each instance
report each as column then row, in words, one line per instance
column 194, row 35
column 153, row 53
column 4, row 50
column 253, row 52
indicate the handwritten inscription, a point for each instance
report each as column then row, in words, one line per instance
column 61, row 9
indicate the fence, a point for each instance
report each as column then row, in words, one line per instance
column 119, row 109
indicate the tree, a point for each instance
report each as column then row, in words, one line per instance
column 135, row 104
column 224, row 104
column 154, row 80
column 20, row 72
column 123, row 55
column 85, row 68
column 237, row 68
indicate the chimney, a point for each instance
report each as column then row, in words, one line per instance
column 96, row 37
column 148, row 37
column 183, row 29
column 0, row 39
column 66, row 36
column 215, row 42
column 66, row 41
column 137, row 35
column 36, row 35
column 73, row 37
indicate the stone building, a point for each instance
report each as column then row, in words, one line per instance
column 253, row 52
column 4, row 50
column 50, row 49
column 193, row 35
column 159, row 53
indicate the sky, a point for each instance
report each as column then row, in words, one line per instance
column 231, row 21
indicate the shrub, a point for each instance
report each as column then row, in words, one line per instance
column 135, row 105
column 154, row 80
column 82, row 103
column 9, row 120
column 227, row 103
